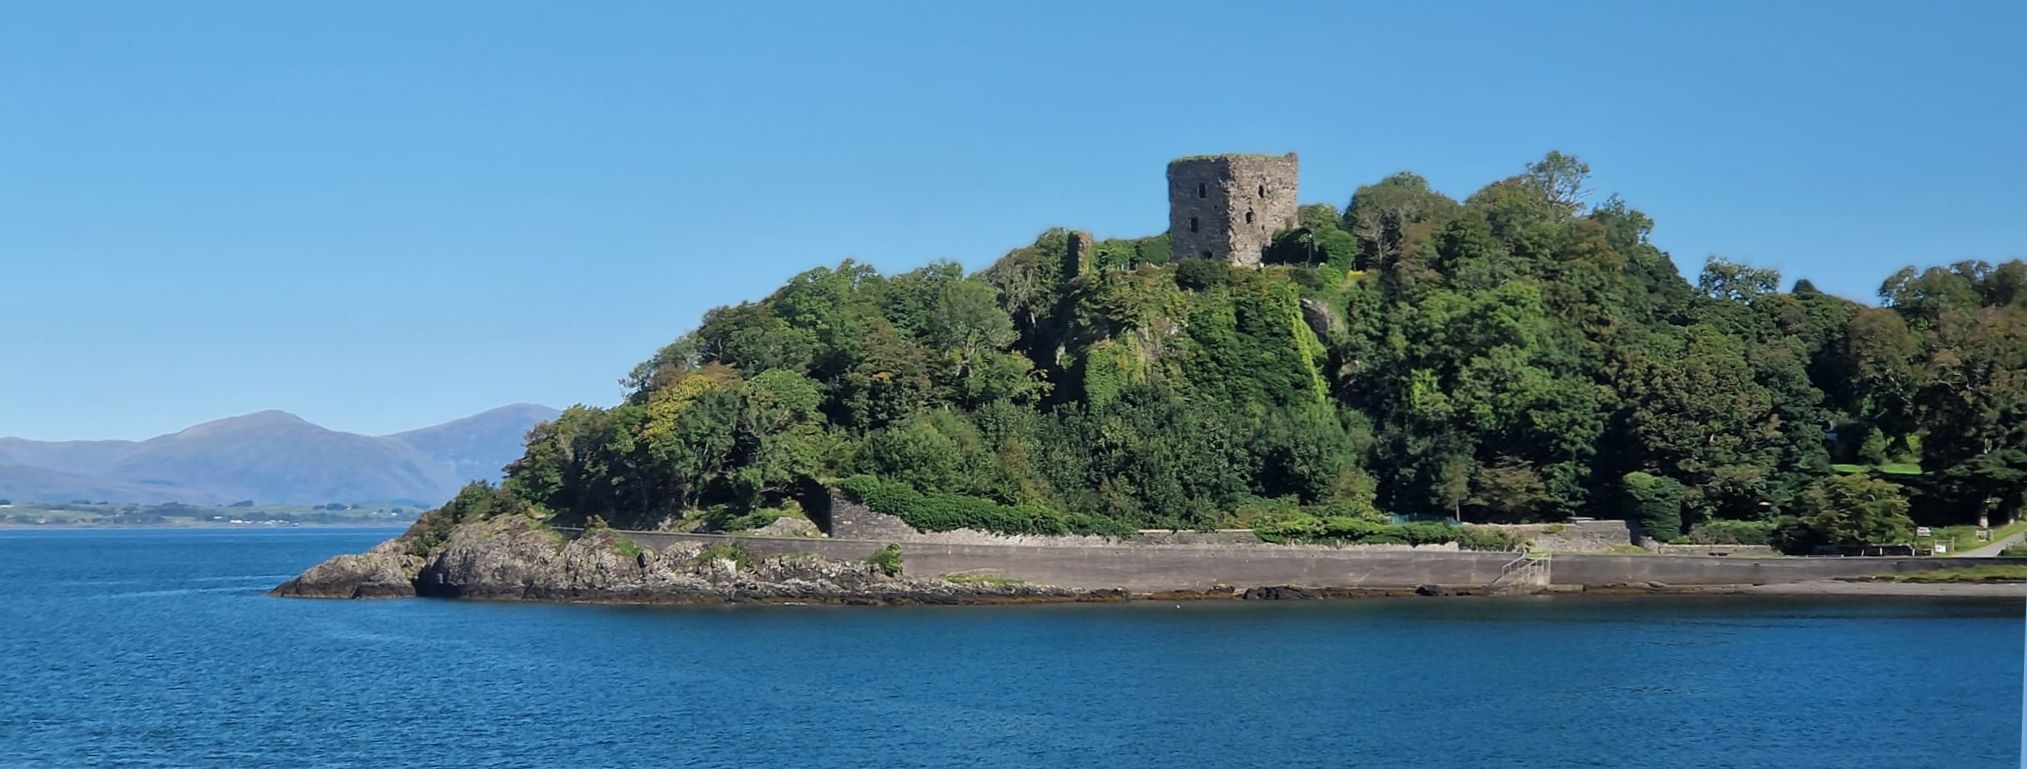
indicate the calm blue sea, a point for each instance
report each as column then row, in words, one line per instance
column 156, row 648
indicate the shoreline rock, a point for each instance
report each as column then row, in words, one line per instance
column 514, row 559
column 386, row 571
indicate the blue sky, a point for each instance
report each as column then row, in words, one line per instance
column 384, row 215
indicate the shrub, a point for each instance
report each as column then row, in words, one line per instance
column 753, row 520
column 1732, row 533
column 1794, row 536
column 1429, row 533
column 1255, row 513
column 887, row 560
column 1358, row 531
column 1846, row 510
column 1200, row 274
column 946, row 512
column 476, row 502
column 1653, row 503
column 724, row 551
column 2015, row 551
column 1858, row 510
column 625, row 546
column 1287, row 529
column 1482, row 538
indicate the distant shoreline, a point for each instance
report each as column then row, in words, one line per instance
column 391, row 525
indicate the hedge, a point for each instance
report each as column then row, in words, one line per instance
column 942, row 511
column 1358, row 531
column 1482, row 538
column 1732, row 533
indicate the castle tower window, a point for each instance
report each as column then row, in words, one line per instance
column 1192, row 224
column 1249, row 217
column 1263, row 192
column 1199, row 189
column 1207, row 253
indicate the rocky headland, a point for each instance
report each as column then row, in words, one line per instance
column 514, row 558
column 476, row 550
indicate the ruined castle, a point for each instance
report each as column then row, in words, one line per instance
column 1229, row 206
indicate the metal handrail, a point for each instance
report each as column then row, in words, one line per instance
column 1510, row 573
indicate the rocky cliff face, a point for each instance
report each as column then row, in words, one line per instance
column 512, row 558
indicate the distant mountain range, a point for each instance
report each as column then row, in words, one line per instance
column 271, row 456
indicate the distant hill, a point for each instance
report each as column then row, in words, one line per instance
column 81, row 457
column 270, row 456
column 25, row 483
column 479, row 445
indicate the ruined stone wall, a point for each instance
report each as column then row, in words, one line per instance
column 851, row 520
column 1229, row 206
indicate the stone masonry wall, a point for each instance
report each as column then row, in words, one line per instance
column 1229, row 206
column 1574, row 537
column 851, row 520
column 1723, row 550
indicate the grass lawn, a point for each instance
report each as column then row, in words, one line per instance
column 1961, row 538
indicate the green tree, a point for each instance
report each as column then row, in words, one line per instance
column 1560, row 179
column 1857, row 510
column 1394, row 217
column 1728, row 281
column 1653, row 503
column 1518, row 356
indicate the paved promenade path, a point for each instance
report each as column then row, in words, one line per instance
column 1993, row 550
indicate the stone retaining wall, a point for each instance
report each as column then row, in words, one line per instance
column 1724, row 550
column 852, row 520
column 1573, row 537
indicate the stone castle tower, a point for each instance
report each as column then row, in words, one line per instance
column 1229, row 206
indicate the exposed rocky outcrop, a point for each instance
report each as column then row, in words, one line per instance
column 1277, row 593
column 386, row 571
column 1321, row 319
column 514, row 558
column 787, row 526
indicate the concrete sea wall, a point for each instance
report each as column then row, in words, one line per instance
column 1159, row 561
column 1157, row 568
column 1141, row 567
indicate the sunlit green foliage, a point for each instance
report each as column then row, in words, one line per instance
column 1523, row 355
column 936, row 511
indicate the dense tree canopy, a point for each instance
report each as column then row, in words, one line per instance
column 1521, row 355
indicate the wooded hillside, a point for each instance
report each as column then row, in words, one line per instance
column 1520, row 355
